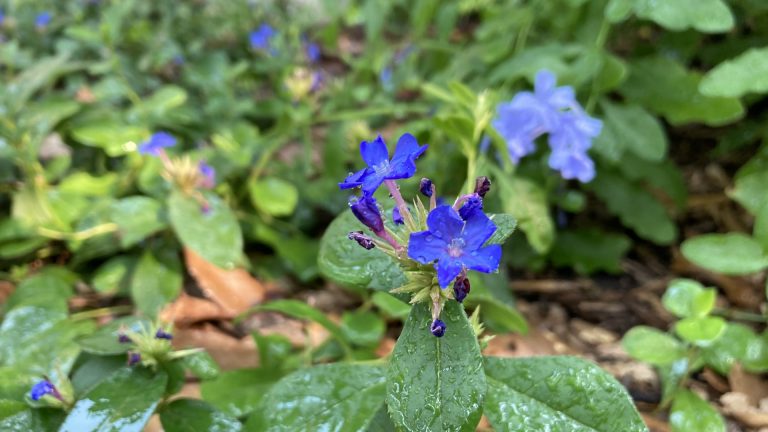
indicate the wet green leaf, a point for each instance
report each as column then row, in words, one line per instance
column 690, row 413
column 345, row 262
column 190, row 415
column 436, row 384
column 274, row 196
column 104, row 341
column 50, row 288
column 700, row 331
column 202, row 365
column 556, row 394
column 45, row 419
column 121, row 403
column 652, row 346
column 156, row 280
column 733, row 346
column 214, row 235
column 732, row 253
column 329, row 397
column 362, row 328
column 505, row 226
column 238, row 392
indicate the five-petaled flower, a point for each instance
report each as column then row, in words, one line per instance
column 158, row 141
column 43, row 388
column 380, row 167
column 260, row 38
column 456, row 243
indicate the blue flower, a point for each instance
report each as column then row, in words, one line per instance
column 570, row 143
column 261, row 37
column 471, row 205
column 208, row 174
column 312, row 51
column 437, row 328
column 380, row 167
column 41, row 389
column 367, row 211
column 157, row 142
column 2, row 16
column 43, row 19
column 397, row 218
column 385, row 78
column 455, row 243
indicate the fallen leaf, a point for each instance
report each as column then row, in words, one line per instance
column 187, row 310
column 228, row 351
column 738, row 406
column 751, row 385
column 234, row 290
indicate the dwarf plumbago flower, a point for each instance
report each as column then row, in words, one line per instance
column 385, row 78
column 380, row 167
column 260, row 38
column 2, row 17
column 43, row 19
column 482, row 186
column 43, row 388
column 361, row 239
column 397, row 218
column 133, row 358
column 437, row 328
column 123, row 338
column 471, row 204
column 208, row 173
column 554, row 110
column 162, row 334
column 312, row 51
column 156, row 143
column 425, row 187
column 367, row 211
column 455, row 243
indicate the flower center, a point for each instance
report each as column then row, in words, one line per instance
column 456, row 248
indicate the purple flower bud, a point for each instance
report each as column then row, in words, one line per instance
column 123, row 338
column 361, row 239
column 162, row 334
column 397, row 218
column 437, row 328
column 461, row 288
column 472, row 204
column 41, row 389
column 482, row 186
column 133, row 358
column 367, row 212
column 425, row 187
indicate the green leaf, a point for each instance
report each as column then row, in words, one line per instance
column 274, row 351
column 85, row 184
column 749, row 184
column 11, row 407
column 137, row 217
column 121, row 403
column 618, row 10
column 443, row 374
column 760, row 230
column 527, row 202
column 652, row 346
column 94, row 369
column 202, row 365
column 45, row 419
column 190, row 415
column 690, row 413
column 50, row 288
column 733, row 346
column 114, row 276
column 606, row 250
column 214, row 235
column 345, row 262
column 635, row 206
column 362, row 328
column 505, row 226
column 238, row 392
column 156, row 280
column 274, row 196
column 390, row 304
column 706, row 16
column 666, row 87
column 700, row 331
column 732, row 253
column 632, row 129
column 115, row 138
column 736, row 77
column 301, row 310
column 104, row 341
column 556, row 394
column 688, row 298
column 329, row 397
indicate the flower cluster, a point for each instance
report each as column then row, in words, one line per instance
column 434, row 248
column 150, row 345
column 45, row 392
column 184, row 172
column 555, row 111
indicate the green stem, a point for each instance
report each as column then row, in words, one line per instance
column 101, row 312
column 80, row 235
column 370, row 112
column 740, row 315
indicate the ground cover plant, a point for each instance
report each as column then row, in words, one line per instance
column 364, row 215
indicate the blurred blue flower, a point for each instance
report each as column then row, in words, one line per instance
column 455, row 243
column 312, row 50
column 157, row 142
column 385, row 78
column 41, row 389
column 2, row 16
column 208, row 174
column 43, row 19
column 570, row 142
column 162, row 334
column 367, row 211
column 261, row 37
column 133, row 358
column 380, row 168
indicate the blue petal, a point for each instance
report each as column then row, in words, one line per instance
column 444, row 222
column 374, row 152
column 424, row 247
column 353, row 180
column 573, row 164
column 372, row 181
column 544, row 82
column 403, row 163
column 447, row 270
column 477, row 230
column 484, row 260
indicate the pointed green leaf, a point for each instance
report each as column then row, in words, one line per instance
column 706, row 16
column 732, row 253
column 556, row 394
column 121, row 403
column 156, row 280
column 688, row 298
column 690, row 413
column 505, row 226
column 747, row 73
column 329, row 397
column 652, row 346
column 433, row 383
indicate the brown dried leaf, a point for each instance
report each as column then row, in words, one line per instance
column 234, row 290
column 751, row 385
column 228, row 351
column 738, row 406
column 186, row 310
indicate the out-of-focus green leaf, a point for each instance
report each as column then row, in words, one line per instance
column 632, row 129
column 238, row 392
column 652, row 346
column 362, row 328
column 274, row 196
column 190, row 415
column 156, row 280
column 688, row 298
column 527, row 202
column 690, row 413
column 706, row 16
column 732, row 253
column 747, row 73
column 590, row 250
column 701, row 331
